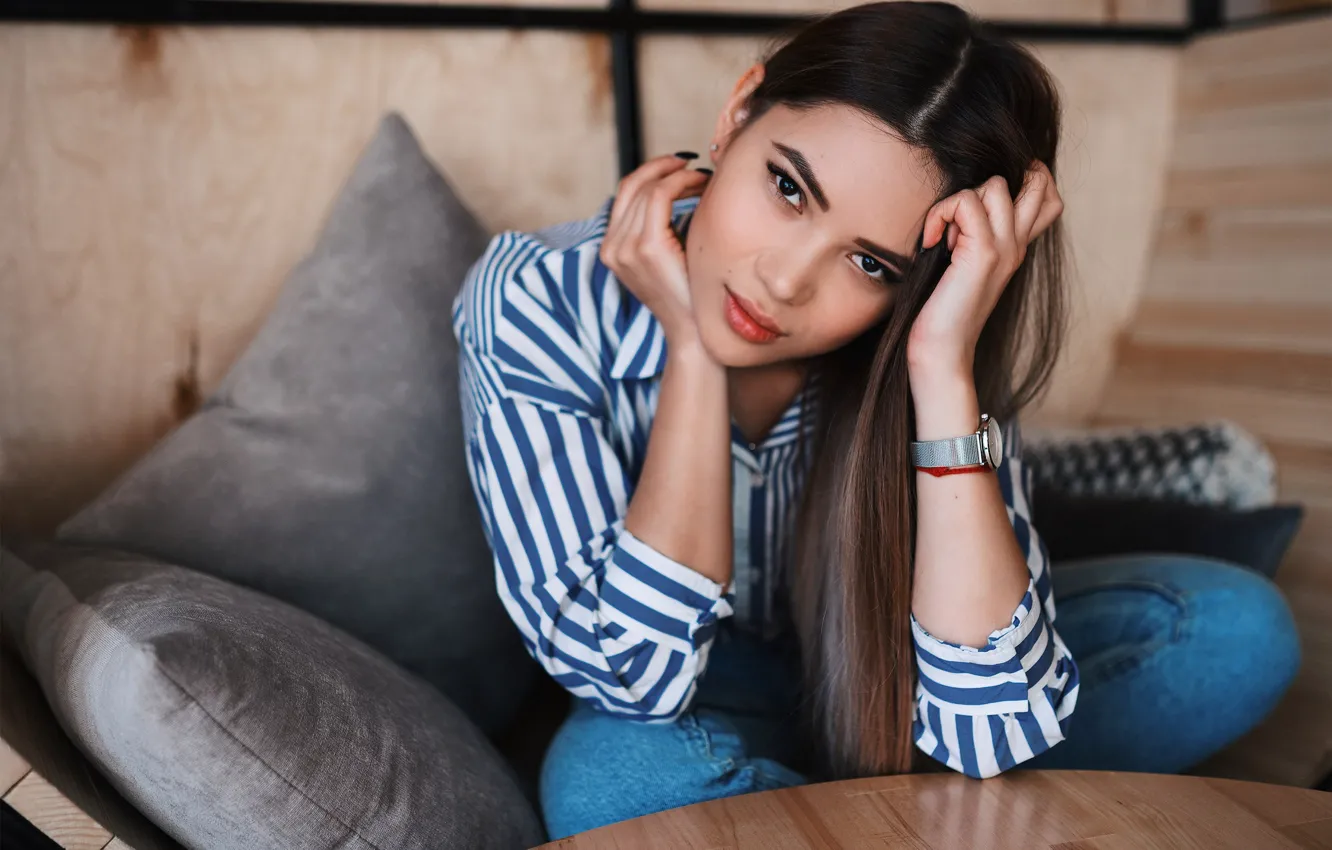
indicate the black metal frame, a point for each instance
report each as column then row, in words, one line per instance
column 623, row 21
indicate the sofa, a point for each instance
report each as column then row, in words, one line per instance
column 279, row 628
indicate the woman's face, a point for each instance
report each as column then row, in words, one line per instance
column 806, row 227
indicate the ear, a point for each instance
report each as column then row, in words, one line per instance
column 735, row 111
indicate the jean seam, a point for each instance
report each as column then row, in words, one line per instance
column 1171, row 594
column 700, row 742
column 1131, row 662
column 762, row 781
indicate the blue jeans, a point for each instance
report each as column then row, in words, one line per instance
column 1178, row 656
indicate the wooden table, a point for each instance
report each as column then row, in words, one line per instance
column 1067, row 810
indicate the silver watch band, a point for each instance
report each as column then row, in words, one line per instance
column 952, row 451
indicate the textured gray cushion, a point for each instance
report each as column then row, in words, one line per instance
column 236, row 721
column 328, row 469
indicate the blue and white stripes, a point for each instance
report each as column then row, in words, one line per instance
column 560, row 369
column 983, row 710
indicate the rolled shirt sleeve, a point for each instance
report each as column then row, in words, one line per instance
column 982, row 710
column 615, row 621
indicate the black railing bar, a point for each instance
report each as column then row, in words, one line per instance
column 633, row 20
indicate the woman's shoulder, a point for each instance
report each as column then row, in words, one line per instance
column 571, row 235
column 527, row 265
column 514, row 250
column 562, row 249
column 548, row 284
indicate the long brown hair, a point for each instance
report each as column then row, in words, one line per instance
column 978, row 105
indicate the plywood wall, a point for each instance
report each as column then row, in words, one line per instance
column 157, row 184
column 1236, row 320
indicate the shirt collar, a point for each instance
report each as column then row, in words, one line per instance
column 642, row 351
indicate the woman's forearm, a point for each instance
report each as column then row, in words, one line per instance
column 970, row 573
column 681, row 505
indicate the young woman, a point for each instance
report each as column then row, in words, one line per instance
column 747, row 450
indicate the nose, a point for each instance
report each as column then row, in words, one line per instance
column 788, row 273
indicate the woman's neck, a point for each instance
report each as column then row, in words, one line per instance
column 759, row 395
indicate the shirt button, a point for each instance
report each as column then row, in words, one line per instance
column 757, row 479
column 753, row 447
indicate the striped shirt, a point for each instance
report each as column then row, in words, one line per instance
column 560, row 374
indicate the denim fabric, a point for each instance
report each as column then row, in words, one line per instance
column 739, row 735
column 1179, row 655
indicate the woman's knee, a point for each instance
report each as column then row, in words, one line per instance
column 593, row 767
column 1242, row 619
column 1235, row 651
column 1228, row 620
column 1218, row 651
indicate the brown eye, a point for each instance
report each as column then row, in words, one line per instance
column 877, row 271
column 782, row 183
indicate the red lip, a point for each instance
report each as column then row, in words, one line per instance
column 754, row 314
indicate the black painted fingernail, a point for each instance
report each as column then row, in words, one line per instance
column 686, row 154
column 704, row 170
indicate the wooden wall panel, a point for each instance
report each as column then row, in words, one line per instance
column 162, row 182
column 167, row 179
column 1236, row 321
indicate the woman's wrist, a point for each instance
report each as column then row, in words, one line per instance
column 685, row 345
column 947, row 407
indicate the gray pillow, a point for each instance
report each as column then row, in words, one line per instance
column 233, row 720
column 327, row 470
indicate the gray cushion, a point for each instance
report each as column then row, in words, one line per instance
column 327, row 470
column 236, row 721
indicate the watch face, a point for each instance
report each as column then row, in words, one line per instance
column 994, row 443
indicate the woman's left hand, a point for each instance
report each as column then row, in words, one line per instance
column 988, row 234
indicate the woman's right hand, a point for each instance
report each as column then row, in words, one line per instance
column 641, row 247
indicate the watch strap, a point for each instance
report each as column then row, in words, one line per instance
column 950, row 451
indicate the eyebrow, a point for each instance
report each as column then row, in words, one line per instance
column 801, row 165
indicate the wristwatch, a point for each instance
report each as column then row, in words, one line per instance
column 978, row 452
